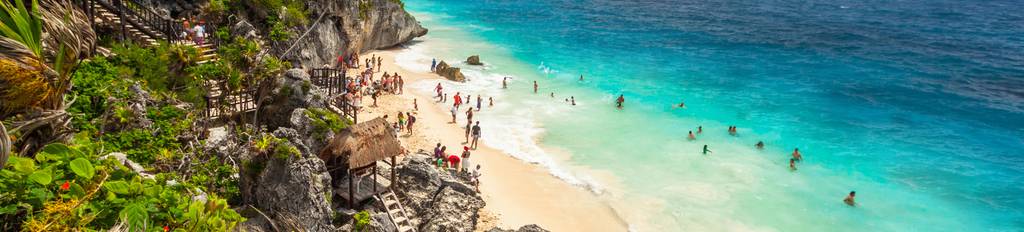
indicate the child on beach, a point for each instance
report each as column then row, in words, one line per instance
column 474, row 178
column 401, row 121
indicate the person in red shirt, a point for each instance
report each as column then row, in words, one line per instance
column 453, row 163
column 458, row 100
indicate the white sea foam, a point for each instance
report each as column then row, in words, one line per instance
column 507, row 126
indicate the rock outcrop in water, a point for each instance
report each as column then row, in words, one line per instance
column 474, row 60
column 447, row 71
column 354, row 26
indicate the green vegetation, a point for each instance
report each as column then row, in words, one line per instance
column 22, row 24
column 364, row 9
column 399, row 2
column 68, row 188
column 279, row 32
column 362, row 219
column 323, row 120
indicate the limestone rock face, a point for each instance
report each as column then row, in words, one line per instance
column 526, row 228
column 447, row 71
column 354, row 26
column 439, row 201
column 295, row 192
column 474, row 60
column 284, row 95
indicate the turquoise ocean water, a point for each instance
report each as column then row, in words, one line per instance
column 918, row 106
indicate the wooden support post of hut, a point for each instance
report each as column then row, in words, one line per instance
column 356, row 150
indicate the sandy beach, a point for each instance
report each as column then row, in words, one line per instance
column 517, row 193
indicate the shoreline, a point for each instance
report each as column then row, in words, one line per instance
column 517, row 193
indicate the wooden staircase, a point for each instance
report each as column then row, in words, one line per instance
column 396, row 211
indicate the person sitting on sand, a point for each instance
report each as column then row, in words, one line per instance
column 849, row 199
column 691, row 137
column 792, row 164
column 706, row 150
column 476, row 134
column 759, row 145
column 618, row 102
column 441, row 157
column 796, row 155
column 437, row 151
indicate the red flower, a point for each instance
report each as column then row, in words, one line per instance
column 65, row 186
column 166, row 228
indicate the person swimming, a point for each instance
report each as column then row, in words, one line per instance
column 700, row 129
column 706, row 150
column 619, row 101
column 792, row 164
column 759, row 145
column 796, row 155
column 849, row 199
column 681, row 105
column 581, row 77
column 691, row 137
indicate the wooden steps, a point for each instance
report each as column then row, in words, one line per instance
column 396, row 211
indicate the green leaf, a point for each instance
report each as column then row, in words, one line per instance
column 23, row 165
column 42, row 177
column 57, row 149
column 118, row 186
column 83, row 168
column 135, row 215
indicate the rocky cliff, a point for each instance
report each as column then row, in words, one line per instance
column 353, row 26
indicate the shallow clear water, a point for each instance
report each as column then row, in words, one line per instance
column 918, row 106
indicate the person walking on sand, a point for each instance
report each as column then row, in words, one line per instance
column 534, row 86
column 401, row 121
column 433, row 64
column 849, row 199
column 476, row 135
column 465, row 157
column 415, row 107
column 479, row 100
column 412, row 119
column 458, row 100
column 706, row 150
column 438, row 89
column 691, row 137
column 454, row 112
column 796, row 155
column 618, row 102
column 469, row 129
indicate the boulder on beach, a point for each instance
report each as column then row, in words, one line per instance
column 474, row 60
column 447, row 71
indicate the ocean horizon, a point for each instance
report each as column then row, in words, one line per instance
column 916, row 106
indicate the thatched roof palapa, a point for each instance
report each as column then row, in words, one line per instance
column 364, row 143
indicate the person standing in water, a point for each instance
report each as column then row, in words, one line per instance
column 433, row 64
column 438, row 89
column 706, row 150
column 454, row 112
column 534, row 86
column 581, row 77
column 759, row 145
column 618, row 102
column 700, row 129
column 849, row 199
column 691, row 137
column 469, row 114
column 478, row 101
column 458, row 100
column 573, row 98
column 796, row 155
column 504, row 83
column 491, row 100
column 792, row 164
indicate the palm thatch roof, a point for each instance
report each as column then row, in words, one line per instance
column 364, row 144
